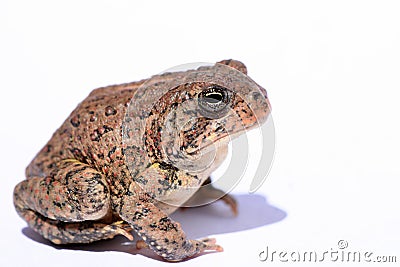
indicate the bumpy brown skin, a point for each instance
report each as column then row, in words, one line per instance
column 87, row 184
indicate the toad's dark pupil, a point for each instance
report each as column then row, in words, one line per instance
column 213, row 98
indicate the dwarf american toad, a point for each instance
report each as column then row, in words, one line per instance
column 122, row 162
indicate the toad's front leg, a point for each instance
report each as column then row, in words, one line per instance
column 161, row 233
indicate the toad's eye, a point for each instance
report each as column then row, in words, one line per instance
column 214, row 101
column 213, row 98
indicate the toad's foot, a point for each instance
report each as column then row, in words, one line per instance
column 231, row 202
column 208, row 193
column 121, row 228
column 210, row 244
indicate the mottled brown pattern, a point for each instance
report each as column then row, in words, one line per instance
column 123, row 159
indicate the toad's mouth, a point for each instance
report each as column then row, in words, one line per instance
column 207, row 146
column 213, row 141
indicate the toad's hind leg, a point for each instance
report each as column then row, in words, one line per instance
column 60, row 232
column 68, row 205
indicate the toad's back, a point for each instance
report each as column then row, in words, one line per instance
column 91, row 134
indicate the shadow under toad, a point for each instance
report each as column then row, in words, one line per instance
column 253, row 211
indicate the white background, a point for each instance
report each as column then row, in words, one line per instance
column 331, row 69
